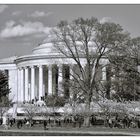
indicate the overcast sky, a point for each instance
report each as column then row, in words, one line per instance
column 23, row 27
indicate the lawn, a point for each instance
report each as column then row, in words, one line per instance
column 38, row 130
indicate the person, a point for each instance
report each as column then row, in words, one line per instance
column 75, row 121
column 25, row 120
column 49, row 120
column 11, row 122
column 5, row 123
column 116, row 121
column 110, row 122
column 45, row 125
column 80, row 120
column 106, row 122
column 93, row 119
column 67, row 120
column 27, row 123
column 33, row 101
column 59, row 123
column 14, row 120
column 64, row 120
column 125, row 121
column 31, row 123
column 1, row 121
column 19, row 124
column 8, row 121
column 138, row 122
column 70, row 119
column 133, row 122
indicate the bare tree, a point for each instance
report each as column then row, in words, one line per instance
column 30, row 112
column 92, row 41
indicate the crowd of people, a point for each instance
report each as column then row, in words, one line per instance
column 124, row 121
column 76, row 121
column 70, row 121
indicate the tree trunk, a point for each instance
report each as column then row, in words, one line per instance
column 87, row 121
column 87, row 115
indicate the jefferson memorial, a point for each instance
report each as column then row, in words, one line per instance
column 31, row 77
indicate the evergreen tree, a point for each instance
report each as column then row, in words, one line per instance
column 4, row 89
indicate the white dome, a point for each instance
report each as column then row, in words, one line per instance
column 46, row 48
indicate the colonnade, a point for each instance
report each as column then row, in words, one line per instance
column 29, row 81
column 31, row 84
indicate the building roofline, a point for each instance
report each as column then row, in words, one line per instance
column 9, row 60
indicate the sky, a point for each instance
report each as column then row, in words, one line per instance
column 23, row 27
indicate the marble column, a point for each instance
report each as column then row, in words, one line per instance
column 139, row 68
column 60, row 80
column 21, row 85
column 40, row 82
column 104, row 73
column 71, row 78
column 71, row 72
column 26, row 85
column 50, row 80
column 32, row 82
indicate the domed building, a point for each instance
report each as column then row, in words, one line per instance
column 31, row 77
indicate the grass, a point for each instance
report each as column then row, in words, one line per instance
column 38, row 130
